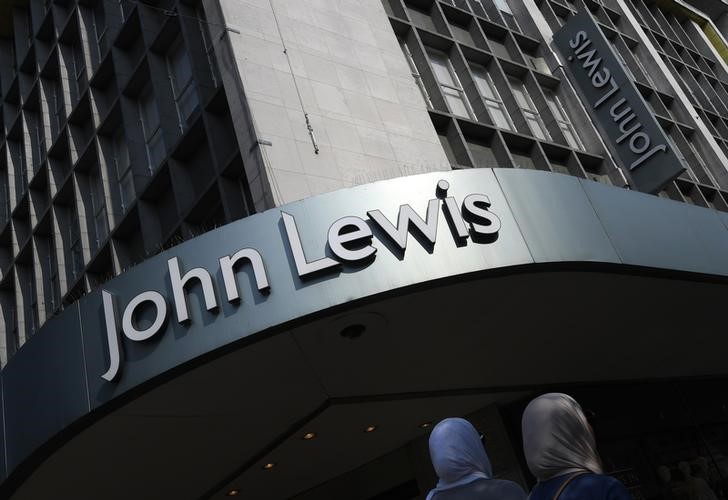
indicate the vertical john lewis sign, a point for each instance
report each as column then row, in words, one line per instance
column 640, row 144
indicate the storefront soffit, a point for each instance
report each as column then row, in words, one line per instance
column 426, row 354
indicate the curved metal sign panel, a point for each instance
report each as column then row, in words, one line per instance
column 291, row 262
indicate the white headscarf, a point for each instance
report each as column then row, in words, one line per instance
column 557, row 439
column 457, row 454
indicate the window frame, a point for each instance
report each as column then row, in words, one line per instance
column 209, row 46
column 181, row 92
column 497, row 101
column 564, row 122
column 519, row 86
column 124, row 173
column 98, row 205
column 507, row 13
column 75, row 246
column 415, row 72
column 153, row 139
column 33, row 321
column 456, row 86
column 98, row 10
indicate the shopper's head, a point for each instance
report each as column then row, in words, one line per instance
column 663, row 472
column 457, row 452
column 557, row 439
column 685, row 469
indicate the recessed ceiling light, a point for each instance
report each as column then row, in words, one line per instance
column 233, row 493
column 309, row 435
column 370, row 428
column 353, row 332
column 269, row 465
column 425, row 425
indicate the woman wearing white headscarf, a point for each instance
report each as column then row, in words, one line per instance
column 463, row 466
column 560, row 451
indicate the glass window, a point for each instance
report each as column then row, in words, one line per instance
column 493, row 102
column 13, row 57
column 98, row 203
column 13, row 326
column 462, row 34
column 56, row 106
column 482, row 153
column 538, row 63
column 449, row 152
column 31, row 302
column 420, row 18
column 704, row 173
column 698, row 157
column 533, row 118
column 643, row 69
column 560, row 166
column 415, row 73
column 522, row 160
column 503, row 6
column 55, row 289
column 183, row 86
column 449, row 83
column 476, row 7
column 507, row 13
column 125, row 8
column 209, row 48
column 29, row 19
column 5, row 205
column 35, row 139
column 604, row 179
column 441, row 67
column 122, row 164
column 33, row 319
column 75, row 243
column 79, row 69
column 100, row 28
column 622, row 60
column 562, row 119
column 498, row 48
column 686, row 88
column 152, row 129
column 19, row 167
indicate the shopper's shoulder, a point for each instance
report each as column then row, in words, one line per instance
column 592, row 478
column 602, row 486
column 617, row 490
column 484, row 489
column 508, row 489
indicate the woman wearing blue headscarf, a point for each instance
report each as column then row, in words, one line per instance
column 463, row 467
column 561, row 452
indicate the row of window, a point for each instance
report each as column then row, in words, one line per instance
column 509, row 100
column 699, row 89
column 52, row 91
column 458, row 104
column 186, row 101
column 77, row 141
column 476, row 7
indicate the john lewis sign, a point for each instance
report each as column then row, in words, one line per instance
column 350, row 240
column 619, row 110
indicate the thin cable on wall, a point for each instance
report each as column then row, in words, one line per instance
column 225, row 29
column 175, row 13
column 309, row 127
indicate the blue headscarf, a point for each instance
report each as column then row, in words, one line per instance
column 457, row 454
